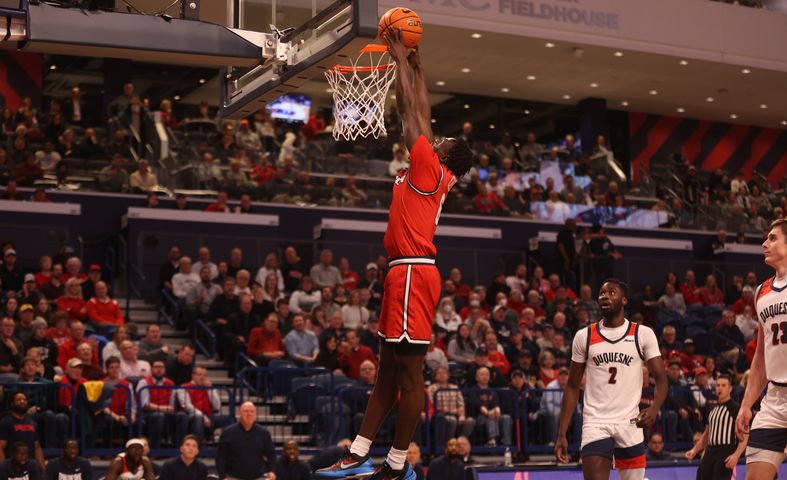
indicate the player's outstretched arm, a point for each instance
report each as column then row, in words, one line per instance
column 570, row 399
column 756, row 383
column 647, row 417
column 414, row 119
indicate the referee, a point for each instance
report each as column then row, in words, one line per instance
column 722, row 449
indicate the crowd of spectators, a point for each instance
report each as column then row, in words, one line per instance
column 259, row 158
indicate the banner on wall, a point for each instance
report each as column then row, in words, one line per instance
column 708, row 145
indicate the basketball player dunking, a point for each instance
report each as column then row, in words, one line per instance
column 412, row 285
column 612, row 352
column 768, row 437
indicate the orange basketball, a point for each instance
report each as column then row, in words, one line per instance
column 405, row 20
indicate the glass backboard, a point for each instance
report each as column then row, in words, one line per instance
column 322, row 34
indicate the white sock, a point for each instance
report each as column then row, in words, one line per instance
column 360, row 446
column 632, row 474
column 396, row 458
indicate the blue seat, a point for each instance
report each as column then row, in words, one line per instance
column 303, row 400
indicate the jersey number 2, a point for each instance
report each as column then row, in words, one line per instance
column 776, row 327
column 613, row 372
column 439, row 210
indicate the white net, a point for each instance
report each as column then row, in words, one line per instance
column 359, row 93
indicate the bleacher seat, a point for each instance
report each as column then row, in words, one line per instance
column 377, row 168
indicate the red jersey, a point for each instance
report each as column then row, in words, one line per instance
column 418, row 196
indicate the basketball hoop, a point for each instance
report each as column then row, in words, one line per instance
column 359, row 93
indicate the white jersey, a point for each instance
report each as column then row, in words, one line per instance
column 613, row 359
column 771, row 304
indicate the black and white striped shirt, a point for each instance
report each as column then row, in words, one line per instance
column 721, row 422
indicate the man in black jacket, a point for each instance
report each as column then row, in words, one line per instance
column 221, row 308
column 246, row 449
column 449, row 465
column 236, row 332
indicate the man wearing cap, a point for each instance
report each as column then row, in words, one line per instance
column 371, row 281
column 24, row 331
column 370, row 335
column 70, row 384
column 11, row 276
column 89, row 285
column 496, row 378
column 18, row 426
column 104, row 312
column 690, row 361
column 29, row 292
column 132, row 464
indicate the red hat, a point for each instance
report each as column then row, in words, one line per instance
column 699, row 371
column 94, row 267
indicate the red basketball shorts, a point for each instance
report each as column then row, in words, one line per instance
column 410, row 296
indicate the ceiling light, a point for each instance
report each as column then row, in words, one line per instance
column 531, row 77
column 784, row 122
column 476, row 35
column 566, row 97
column 393, row 96
column 465, row 70
column 527, row 112
column 467, row 107
column 434, row 121
column 594, row 85
column 53, row 67
column 618, row 54
column 745, row 71
column 176, row 97
column 505, row 90
column 624, row 103
column 491, row 126
column 763, row 106
column 654, row 92
column 328, row 90
column 733, row 116
column 681, row 109
column 202, row 80
column 440, row 83
column 684, row 62
column 709, row 99
column 549, row 45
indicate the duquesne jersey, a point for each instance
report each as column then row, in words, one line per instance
column 771, row 305
column 418, row 196
column 613, row 359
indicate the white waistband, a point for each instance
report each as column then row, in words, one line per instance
column 412, row 261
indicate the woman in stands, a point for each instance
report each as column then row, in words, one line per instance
column 11, row 308
column 461, row 348
column 329, row 354
column 72, row 302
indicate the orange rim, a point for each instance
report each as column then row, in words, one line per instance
column 370, row 48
